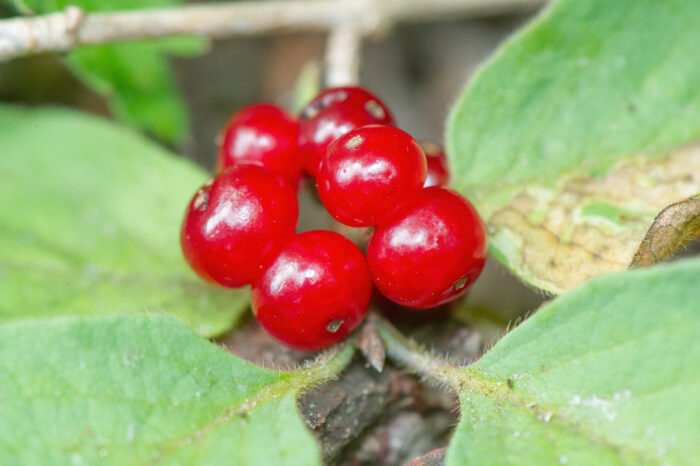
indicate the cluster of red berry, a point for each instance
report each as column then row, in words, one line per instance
column 310, row 290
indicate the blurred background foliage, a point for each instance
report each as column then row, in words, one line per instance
column 135, row 79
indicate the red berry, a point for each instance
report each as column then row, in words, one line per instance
column 314, row 292
column 368, row 172
column 332, row 113
column 438, row 174
column 429, row 251
column 264, row 135
column 234, row 223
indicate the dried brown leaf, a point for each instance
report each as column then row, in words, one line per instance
column 674, row 227
column 432, row 458
column 370, row 345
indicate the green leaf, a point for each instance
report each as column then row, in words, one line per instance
column 146, row 390
column 135, row 77
column 578, row 132
column 606, row 374
column 90, row 224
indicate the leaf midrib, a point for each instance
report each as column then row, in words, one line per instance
column 325, row 367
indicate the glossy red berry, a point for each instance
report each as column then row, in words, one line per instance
column 332, row 113
column 429, row 251
column 235, row 222
column 314, row 292
column 262, row 134
column 438, row 173
column 366, row 173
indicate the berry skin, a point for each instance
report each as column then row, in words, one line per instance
column 314, row 292
column 235, row 222
column 429, row 251
column 262, row 134
column 332, row 113
column 438, row 173
column 368, row 172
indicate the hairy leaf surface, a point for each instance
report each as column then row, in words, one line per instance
column 146, row 390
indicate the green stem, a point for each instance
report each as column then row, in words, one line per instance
column 460, row 378
column 329, row 363
column 413, row 356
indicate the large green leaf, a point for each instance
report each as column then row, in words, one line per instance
column 606, row 374
column 135, row 77
column 146, row 390
column 89, row 223
column 578, row 132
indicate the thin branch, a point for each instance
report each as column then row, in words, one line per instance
column 71, row 28
column 53, row 32
column 343, row 47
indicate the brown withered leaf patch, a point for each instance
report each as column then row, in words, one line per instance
column 370, row 345
column 556, row 235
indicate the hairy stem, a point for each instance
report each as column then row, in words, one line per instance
column 408, row 353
